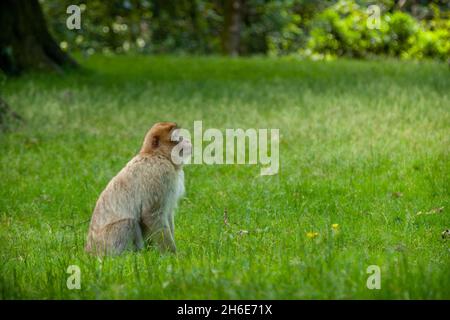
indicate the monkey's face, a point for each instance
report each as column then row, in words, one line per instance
column 163, row 137
column 183, row 147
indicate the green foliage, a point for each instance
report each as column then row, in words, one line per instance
column 401, row 28
column 119, row 26
column 113, row 26
column 311, row 28
column 273, row 27
column 364, row 144
column 285, row 34
column 339, row 30
column 342, row 30
column 432, row 40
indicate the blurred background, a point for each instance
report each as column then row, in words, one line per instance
column 318, row 29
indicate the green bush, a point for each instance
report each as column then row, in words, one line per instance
column 285, row 34
column 401, row 28
column 271, row 27
column 432, row 40
column 341, row 30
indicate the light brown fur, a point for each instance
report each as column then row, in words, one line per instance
column 137, row 206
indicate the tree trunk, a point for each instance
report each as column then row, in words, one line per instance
column 25, row 42
column 231, row 35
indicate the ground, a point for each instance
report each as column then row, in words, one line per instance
column 364, row 145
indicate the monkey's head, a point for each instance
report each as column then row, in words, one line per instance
column 162, row 138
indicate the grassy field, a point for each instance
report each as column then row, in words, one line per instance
column 363, row 145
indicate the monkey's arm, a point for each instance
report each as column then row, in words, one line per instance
column 171, row 209
column 164, row 240
column 157, row 230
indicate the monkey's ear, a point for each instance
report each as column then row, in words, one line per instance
column 155, row 141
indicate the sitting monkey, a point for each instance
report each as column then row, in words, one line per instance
column 137, row 205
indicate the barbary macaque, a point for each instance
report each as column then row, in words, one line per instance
column 137, row 206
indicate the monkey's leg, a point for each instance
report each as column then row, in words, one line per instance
column 163, row 239
column 120, row 236
column 157, row 230
column 138, row 240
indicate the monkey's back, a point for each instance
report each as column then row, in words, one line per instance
column 142, row 185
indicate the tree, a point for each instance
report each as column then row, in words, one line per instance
column 25, row 42
column 231, row 35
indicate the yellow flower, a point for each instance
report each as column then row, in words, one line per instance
column 335, row 226
column 312, row 235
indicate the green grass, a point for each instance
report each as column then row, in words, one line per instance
column 353, row 134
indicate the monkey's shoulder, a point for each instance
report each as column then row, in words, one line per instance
column 146, row 167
